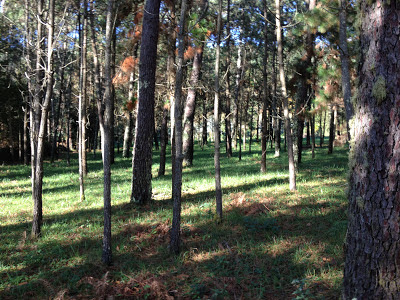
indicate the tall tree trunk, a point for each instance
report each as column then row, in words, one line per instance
column 106, row 123
column 237, row 92
column 97, row 74
column 68, row 112
column 218, row 189
column 39, row 111
column 275, row 107
column 303, row 90
column 190, row 107
column 372, row 241
column 177, row 171
column 331, row 130
column 142, row 158
column 251, row 128
column 27, row 48
column 292, row 172
column 345, row 64
column 228, row 95
column 263, row 167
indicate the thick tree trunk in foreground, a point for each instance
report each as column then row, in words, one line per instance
column 372, row 261
column 292, row 172
column 142, row 158
column 177, row 171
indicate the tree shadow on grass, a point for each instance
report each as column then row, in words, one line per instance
column 231, row 259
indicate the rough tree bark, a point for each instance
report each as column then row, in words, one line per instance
column 142, row 158
column 372, row 261
column 292, row 172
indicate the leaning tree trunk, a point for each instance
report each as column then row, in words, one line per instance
column 292, row 172
column 142, row 158
column 372, row 262
column 177, row 170
column 190, row 107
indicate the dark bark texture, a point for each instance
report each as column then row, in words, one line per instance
column 142, row 158
column 372, row 260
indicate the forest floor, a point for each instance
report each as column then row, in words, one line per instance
column 272, row 244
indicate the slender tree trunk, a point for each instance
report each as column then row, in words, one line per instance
column 218, row 189
column 164, row 140
column 204, row 131
column 312, row 121
column 106, row 121
column 331, row 130
column 263, row 167
column 113, row 57
column 275, row 107
column 97, row 74
column 190, row 107
column 68, row 112
column 57, row 113
column 322, row 135
column 129, row 120
column 177, row 171
column 345, row 64
column 237, row 92
column 142, row 158
column 372, row 241
column 84, row 88
column 39, row 111
column 228, row 95
column 25, row 137
column 251, row 128
column 292, row 172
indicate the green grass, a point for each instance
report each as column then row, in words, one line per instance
column 271, row 243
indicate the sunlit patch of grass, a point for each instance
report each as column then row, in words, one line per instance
column 268, row 238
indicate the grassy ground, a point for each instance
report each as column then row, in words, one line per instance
column 273, row 244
